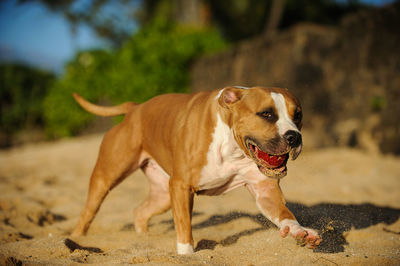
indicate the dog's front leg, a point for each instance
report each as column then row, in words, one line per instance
column 182, row 205
column 271, row 203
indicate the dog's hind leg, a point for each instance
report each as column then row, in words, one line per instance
column 158, row 200
column 118, row 157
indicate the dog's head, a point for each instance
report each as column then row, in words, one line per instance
column 266, row 124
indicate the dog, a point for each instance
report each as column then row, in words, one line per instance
column 203, row 143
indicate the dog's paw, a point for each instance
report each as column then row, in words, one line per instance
column 304, row 236
column 184, row 249
column 140, row 226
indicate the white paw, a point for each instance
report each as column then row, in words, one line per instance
column 304, row 236
column 184, row 249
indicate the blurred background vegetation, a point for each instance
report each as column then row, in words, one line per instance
column 156, row 58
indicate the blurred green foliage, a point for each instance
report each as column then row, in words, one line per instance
column 243, row 19
column 378, row 103
column 155, row 60
column 22, row 90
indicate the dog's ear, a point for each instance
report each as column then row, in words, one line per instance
column 229, row 96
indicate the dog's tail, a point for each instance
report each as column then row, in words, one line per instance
column 104, row 110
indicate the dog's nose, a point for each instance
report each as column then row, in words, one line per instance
column 293, row 138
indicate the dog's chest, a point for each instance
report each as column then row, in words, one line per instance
column 226, row 162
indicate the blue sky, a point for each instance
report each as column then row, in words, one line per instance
column 31, row 33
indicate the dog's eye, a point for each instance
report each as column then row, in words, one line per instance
column 298, row 116
column 269, row 115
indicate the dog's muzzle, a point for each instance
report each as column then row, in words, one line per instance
column 295, row 142
column 272, row 161
column 293, row 138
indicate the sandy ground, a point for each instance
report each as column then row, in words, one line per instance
column 351, row 197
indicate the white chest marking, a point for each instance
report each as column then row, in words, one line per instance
column 226, row 161
column 284, row 122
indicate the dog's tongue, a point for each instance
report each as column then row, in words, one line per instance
column 272, row 160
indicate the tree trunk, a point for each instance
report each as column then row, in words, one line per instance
column 275, row 15
column 190, row 12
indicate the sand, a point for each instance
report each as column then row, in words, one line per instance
column 350, row 196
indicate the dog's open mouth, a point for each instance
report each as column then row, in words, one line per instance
column 272, row 165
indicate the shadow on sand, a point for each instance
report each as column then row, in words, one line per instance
column 331, row 220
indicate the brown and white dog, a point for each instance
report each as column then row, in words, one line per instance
column 204, row 143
